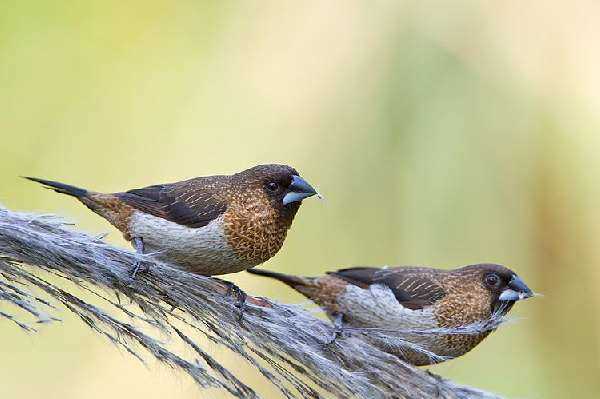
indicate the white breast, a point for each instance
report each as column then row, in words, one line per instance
column 376, row 313
column 378, row 307
column 201, row 250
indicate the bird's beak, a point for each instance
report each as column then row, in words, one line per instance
column 516, row 290
column 298, row 190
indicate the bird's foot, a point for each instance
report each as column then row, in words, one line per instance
column 338, row 333
column 338, row 328
column 239, row 295
column 139, row 267
column 241, row 305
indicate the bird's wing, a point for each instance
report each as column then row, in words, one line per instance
column 413, row 287
column 186, row 203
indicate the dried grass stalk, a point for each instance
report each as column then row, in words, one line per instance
column 290, row 347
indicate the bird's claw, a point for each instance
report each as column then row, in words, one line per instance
column 241, row 305
column 239, row 295
column 337, row 334
column 338, row 331
column 139, row 267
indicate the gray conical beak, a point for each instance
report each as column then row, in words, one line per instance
column 298, row 190
column 516, row 290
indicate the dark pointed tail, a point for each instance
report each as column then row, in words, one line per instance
column 60, row 187
column 292, row 281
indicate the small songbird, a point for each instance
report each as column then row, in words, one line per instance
column 207, row 225
column 421, row 314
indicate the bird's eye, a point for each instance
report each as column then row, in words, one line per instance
column 273, row 186
column 492, row 280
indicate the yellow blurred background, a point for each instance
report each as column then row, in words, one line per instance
column 441, row 133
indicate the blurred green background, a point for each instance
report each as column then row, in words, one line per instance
column 441, row 133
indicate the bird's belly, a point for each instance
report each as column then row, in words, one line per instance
column 203, row 250
column 413, row 335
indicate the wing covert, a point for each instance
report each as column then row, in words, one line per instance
column 184, row 204
column 413, row 287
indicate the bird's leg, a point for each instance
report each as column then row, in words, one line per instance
column 139, row 266
column 338, row 325
column 235, row 291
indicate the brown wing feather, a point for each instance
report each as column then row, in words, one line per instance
column 413, row 287
column 186, row 203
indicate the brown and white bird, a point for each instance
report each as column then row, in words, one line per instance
column 421, row 314
column 207, row 225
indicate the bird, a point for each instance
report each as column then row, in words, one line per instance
column 210, row 225
column 423, row 315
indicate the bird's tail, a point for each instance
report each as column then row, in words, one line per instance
column 314, row 288
column 292, row 281
column 61, row 187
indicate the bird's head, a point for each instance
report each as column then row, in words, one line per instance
column 281, row 185
column 503, row 285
